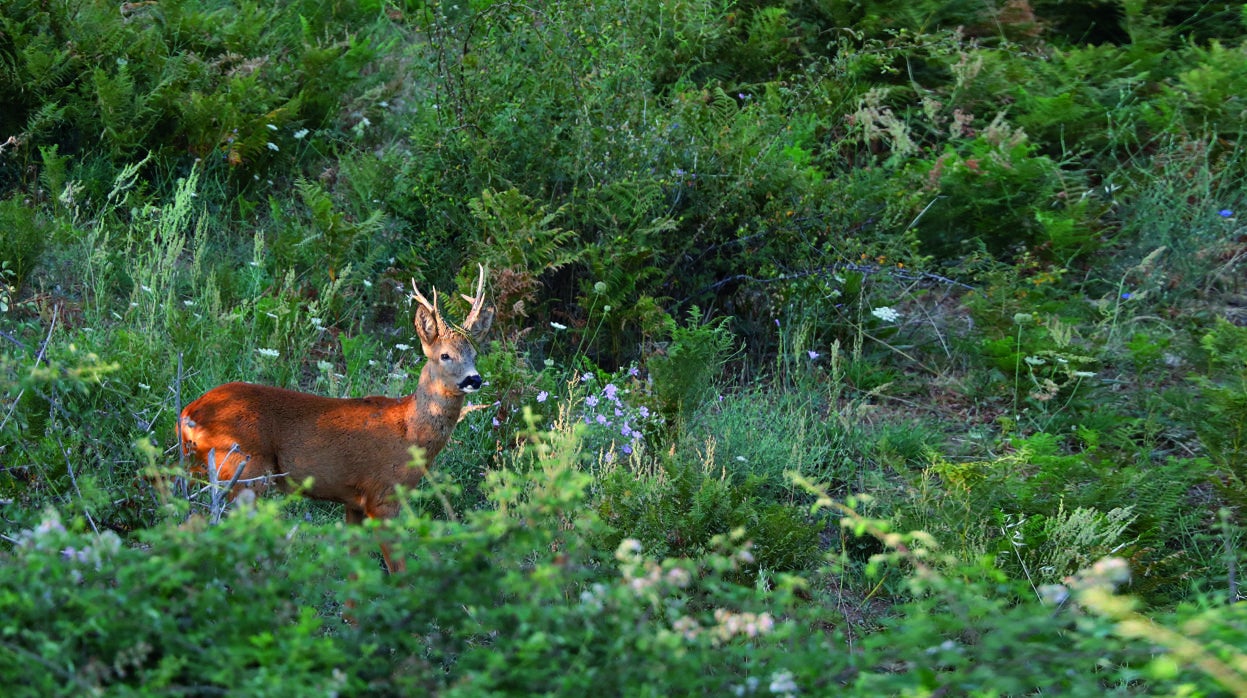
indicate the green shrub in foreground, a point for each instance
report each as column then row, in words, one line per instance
column 515, row 600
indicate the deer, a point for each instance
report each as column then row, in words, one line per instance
column 354, row 451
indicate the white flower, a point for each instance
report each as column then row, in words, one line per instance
column 271, row 127
column 628, row 549
column 272, row 146
column 886, row 314
column 558, row 326
column 782, row 682
column 271, row 353
column 402, row 347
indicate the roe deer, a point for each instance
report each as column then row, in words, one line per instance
column 354, row 450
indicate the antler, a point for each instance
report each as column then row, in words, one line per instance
column 477, row 303
column 442, row 328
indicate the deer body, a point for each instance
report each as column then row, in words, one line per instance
column 355, row 451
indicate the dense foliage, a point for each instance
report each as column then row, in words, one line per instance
column 861, row 348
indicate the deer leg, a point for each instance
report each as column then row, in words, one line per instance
column 386, row 510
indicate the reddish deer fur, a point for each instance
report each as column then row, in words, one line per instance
column 355, row 451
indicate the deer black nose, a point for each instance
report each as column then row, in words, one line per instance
column 470, row 383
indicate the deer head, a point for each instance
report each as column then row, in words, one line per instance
column 451, row 350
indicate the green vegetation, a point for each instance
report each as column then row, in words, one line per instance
column 862, row 348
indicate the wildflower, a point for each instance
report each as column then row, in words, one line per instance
column 627, row 450
column 629, row 548
column 591, row 401
column 634, row 371
column 643, row 411
column 272, row 146
column 601, row 419
column 558, row 326
column 270, row 353
column 542, row 396
column 324, row 366
column 1225, row 213
column 1125, row 296
column 679, row 577
column 599, row 287
column 782, row 682
column 271, row 127
column 886, row 314
column 402, row 347
column 300, row 134
column 813, row 354
column 610, row 391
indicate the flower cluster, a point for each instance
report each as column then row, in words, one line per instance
column 50, row 536
column 611, row 416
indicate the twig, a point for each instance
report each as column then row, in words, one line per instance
column 43, row 348
column 844, row 266
column 13, row 339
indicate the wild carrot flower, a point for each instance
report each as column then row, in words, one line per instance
column 886, row 314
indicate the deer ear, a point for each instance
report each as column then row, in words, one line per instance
column 426, row 329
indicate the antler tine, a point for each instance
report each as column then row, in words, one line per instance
column 478, row 302
column 429, row 306
column 415, row 293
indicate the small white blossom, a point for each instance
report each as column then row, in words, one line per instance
column 886, row 314
column 271, row 353
column 300, row 134
column 271, row 127
column 558, row 326
column 782, row 682
column 272, row 146
column 402, row 347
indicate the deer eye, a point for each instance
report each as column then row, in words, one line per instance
column 445, row 357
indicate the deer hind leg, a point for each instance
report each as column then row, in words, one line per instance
column 384, row 508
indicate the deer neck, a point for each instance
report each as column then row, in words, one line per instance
column 434, row 412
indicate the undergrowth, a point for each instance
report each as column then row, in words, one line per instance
column 866, row 348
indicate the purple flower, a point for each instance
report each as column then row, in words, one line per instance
column 602, row 420
column 591, row 401
column 813, row 354
column 610, row 392
column 541, row 396
column 643, row 411
column 634, row 372
column 626, row 449
column 1225, row 213
column 1125, row 296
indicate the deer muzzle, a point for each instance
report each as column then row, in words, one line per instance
column 470, row 384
